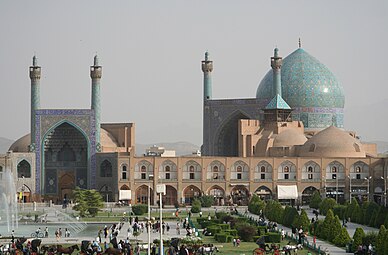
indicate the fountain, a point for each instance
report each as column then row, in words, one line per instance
column 8, row 201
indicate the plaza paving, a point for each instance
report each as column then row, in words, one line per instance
column 55, row 217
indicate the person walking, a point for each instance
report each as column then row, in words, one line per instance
column 46, row 232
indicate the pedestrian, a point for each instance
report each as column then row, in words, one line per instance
column 238, row 241
column 46, row 232
column 137, row 249
column 153, row 251
column 200, row 214
column 283, row 234
column 234, row 242
column 167, row 227
column 106, row 245
column 178, row 231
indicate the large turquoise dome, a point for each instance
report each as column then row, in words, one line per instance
column 310, row 88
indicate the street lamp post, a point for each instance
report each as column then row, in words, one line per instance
column 350, row 188
column 385, row 190
column 161, row 189
column 150, row 177
column 336, row 189
column 367, row 191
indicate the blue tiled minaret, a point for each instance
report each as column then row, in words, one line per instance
column 35, row 73
column 276, row 64
column 95, row 74
column 207, row 68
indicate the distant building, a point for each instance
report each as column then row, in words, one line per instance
column 159, row 152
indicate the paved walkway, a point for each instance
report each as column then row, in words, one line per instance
column 333, row 250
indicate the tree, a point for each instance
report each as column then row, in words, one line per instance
column 290, row 214
column 302, row 221
column 350, row 208
column 88, row 202
column 274, row 211
column 335, row 229
column 380, row 216
column 256, row 205
column 381, row 239
column 342, row 238
column 325, row 228
column 196, row 206
column 316, row 200
column 357, row 214
column 246, row 231
column 206, row 201
column 327, row 203
column 357, row 238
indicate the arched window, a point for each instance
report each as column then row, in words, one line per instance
column 24, row 169
column 239, row 169
column 215, row 169
column 310, row 169
column 106, row 169
column 143, row 169
column 191, row 169
column 286, row 169
column 167, row 169
column 262, row 169
column 124, row 172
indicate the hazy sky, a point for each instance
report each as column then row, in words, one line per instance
column 151, row 52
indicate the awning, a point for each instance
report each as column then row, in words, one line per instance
column 124, row 195
column 287, row 192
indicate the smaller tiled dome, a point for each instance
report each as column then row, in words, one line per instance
column 21, row 145
column 288, row 138
column 332, row 142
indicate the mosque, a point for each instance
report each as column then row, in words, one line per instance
column 284, row 144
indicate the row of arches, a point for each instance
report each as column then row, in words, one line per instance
column 239, row 194
column 241, row 170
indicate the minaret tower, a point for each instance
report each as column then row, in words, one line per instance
column 207, row 68
column 95, row 74
column 35, row 73
column 276, row 64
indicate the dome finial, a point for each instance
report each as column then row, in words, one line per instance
column 206, row 56
column 95, row 60
column 300, row 43
column 276, row 52
column 34, row 60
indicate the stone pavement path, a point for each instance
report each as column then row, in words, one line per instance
column 333, row 250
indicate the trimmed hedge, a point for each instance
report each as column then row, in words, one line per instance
column 273, row 237
column 139, row 209
column 214, row 229
column 232, row 232
column 223, row 238
column 224, row 226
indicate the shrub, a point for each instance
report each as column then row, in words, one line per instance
column 302, row 221
column 340, row 210
column 370, row 238
column 261, row 230
column 246, row 232
column 325, row 227
column 214, row 229
column 223, row 238
column 342, row 238
column 274, row 211
column 196, row 206
column 231, row 232
column 206, row 201
column 274, row 237
column 380, row 217
column 290, row 214
column 221, row 215
column 357, row 238
column 139, row 209
column 256, row 205
column 224, row 226
column 316, row 200
column 326, row 205
column 381, row 239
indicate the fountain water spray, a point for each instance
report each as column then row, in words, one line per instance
column 8, row 201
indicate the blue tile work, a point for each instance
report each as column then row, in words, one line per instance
column 278, row 103
column 47, row 119
column 310, row 88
